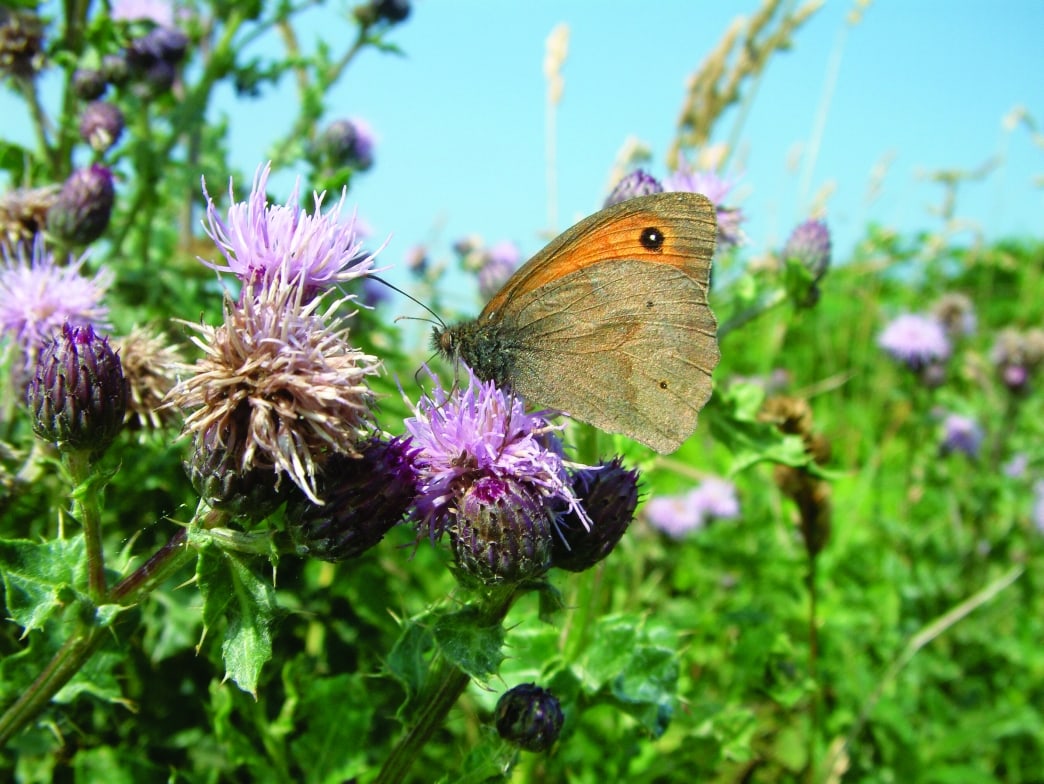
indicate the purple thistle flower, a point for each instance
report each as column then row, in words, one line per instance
column 676, row 516
column 264, row 243
column 962, row 434
column 715, row 188
column 915, row 340
column 479, row 435
column 715, row 498
column 809, row 244
column 498, row 263
column 529, row 717
column 37, row 297
column 636, row 183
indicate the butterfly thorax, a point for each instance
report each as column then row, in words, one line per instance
column 484, row 347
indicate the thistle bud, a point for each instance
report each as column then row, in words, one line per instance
column 78, row 395
column 365, row 497
column 101, row 125
column 609, row 494
column 217, row 474
column 89, row 83
column 636, row 183
column 394, row 11
column 81, row 213
column 529, row 717
column 502, row 534
column 809, row 244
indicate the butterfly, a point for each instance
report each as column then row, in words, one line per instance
column 609, row 323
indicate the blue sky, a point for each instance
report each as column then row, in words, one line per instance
column 460, row 117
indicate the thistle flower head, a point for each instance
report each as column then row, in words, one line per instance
column 809, row 244
column 279, row 378
column 101, row 125
column 498, row 263
column 609, row 494
column 78, row 394
column 962, row 434
column 81, row 213
column 713, row 498
column 366, row 496
column 149, row 365
column 633, row 184
column 37, row 297
column 265, row 243
column 915, row 340
column 23, row 215
column 956, row 312
column 479, row 440
column 530, row 717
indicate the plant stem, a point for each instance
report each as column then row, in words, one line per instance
column 89, row 636
column 445, row 683
column 759, row 308
column 815, row 708
column 87, row 505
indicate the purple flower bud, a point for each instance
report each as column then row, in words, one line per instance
column 217, row 474
column 363, row 498
column 636, row 183
column 962, row 434
column 347, row 143
column 393, row 11
column 81, row 213
column 498, row 263
column 78, row 395
column 160, row 44
column 116, row 69
column 529, row 717
column 502, row 534
column 89, row 83
column 609, row 494
column 101, row 125
column 156, row 79
column 809, row 244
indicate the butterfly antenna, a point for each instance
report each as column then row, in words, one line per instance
column 413, row 299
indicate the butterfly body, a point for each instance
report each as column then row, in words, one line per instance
column 609, row 323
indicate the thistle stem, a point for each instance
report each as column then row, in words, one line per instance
column 88, row 636
column 87, row 509
column 445, row 683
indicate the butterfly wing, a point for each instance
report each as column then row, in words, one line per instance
column 686, row 221
column 628, row 347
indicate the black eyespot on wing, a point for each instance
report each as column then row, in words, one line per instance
column 651, row 239
column 663, row 385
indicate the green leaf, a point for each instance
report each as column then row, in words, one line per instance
column 333, row 716
column 40, row 578
column 409, row 657
column 470, row 644
column 627, row 667
column 230, row 588
column 733, row 420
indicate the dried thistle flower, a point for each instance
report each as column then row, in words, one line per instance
column 150, row 367
column 280, row 378
column 21, row 43
column 23, row 215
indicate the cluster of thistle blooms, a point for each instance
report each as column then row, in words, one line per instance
column 280, row 411
column 924, row 343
